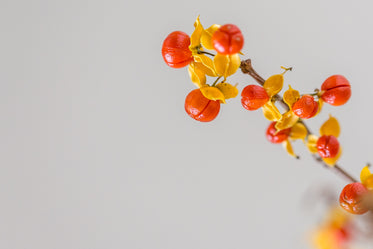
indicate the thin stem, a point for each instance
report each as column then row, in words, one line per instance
column 311, row 94
column 286, row 69
column 204, row 52
column 344, row 173
column 246, row 68
column 216, row 81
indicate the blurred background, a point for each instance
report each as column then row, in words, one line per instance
column 97, row 151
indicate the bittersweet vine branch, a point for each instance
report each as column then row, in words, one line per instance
column 246, row 68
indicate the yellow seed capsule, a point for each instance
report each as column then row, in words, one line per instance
column 366, row 178
column 212, row 93
column 205, row 64
column 291, row 96
column 298, row 131
column 311, row 143
column 273, row 84
column 330, row 127
column 196, row 75
column 226, row 65
column 206, row 36
column 287, row 120
column 228, row 90
column 271, row 112
column 289, row 148
column 195, row 38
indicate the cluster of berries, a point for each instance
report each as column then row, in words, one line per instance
column 203, row 104
column 180, row 50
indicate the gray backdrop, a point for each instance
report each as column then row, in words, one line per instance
column 98, row 152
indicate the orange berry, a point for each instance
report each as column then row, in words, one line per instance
column 337, row 90
column 351, row 198
column 175, row 50
column 305, row 107
column 275, row 136
column 200, row 108
column 327, row 146
column 253, row 97
column 228, row 39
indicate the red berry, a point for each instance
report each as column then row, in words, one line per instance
column 337, row 90
column 200, row 108
column 327, row 146
column 253, row 97
column 228, row 39
column 305, row 107
column 275, row 136
column 351, row 198
column 175, row 50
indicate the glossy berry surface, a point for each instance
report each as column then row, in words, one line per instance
column 253, row 97
column 200, row 108
column 336, row 90
column 327, row 146
column 275, row 136
column 305, row 107
column 175, row 50
column 228, row 39
column 351, row 198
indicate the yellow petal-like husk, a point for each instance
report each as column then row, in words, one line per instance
column 196, row 75
column 311, row 143
column 206, row 64
column 330, row 127
column 226, row 65
column 195, row 38
column 212, row 93
column 271, row 112
column 289, row 148
column 331, row 161
column 325, row 238
column 321, row 103
column 273, row 84
column 228, row 90
column 206, row 36
column 287, row 120
column 369, row 182
column 298, row 131
column 366, row 178
column 291, row 96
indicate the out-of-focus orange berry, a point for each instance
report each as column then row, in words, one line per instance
column 200, row 108
column 351, row 198
column 305, row 107
column 253, row 97
column 275, row 136
column 327, row 146
column 175, row 50
column 228, row 39
column 336, row 90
